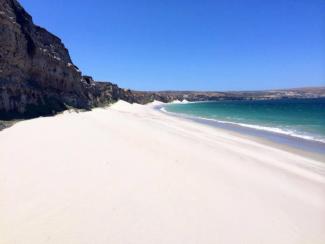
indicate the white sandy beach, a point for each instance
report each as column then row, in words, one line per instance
column 131, row 174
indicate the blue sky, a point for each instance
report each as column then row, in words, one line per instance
column 191, row 45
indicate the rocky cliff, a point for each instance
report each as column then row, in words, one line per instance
column 37, row 75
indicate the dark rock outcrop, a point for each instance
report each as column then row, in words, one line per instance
column 37, row 76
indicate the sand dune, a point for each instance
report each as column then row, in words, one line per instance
column 131, row 174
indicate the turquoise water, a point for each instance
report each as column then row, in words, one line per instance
column 304, row 118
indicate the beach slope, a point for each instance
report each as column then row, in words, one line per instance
column 132, row 174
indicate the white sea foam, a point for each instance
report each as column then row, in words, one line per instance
column 184, row 101
column 288, row 132
column 164, row 110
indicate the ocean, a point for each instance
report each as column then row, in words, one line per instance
column 298, row 118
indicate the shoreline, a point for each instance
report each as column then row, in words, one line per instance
column 130, row 173
column 304, row 147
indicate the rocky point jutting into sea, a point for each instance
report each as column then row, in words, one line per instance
column 38, row 77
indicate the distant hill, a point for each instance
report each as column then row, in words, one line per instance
column 167, row 96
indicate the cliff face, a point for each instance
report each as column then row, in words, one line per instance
column 37, row 76
column 35, row 68
column 31, row 53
